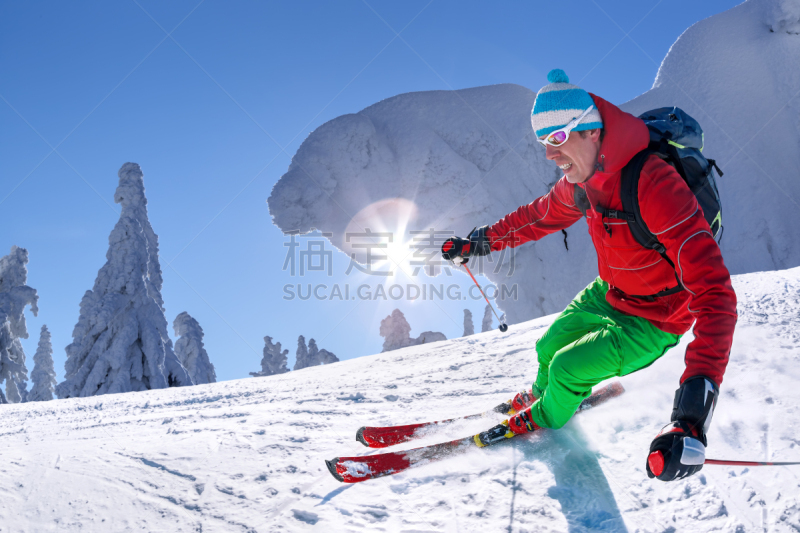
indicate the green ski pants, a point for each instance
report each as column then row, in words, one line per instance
column 588, row 343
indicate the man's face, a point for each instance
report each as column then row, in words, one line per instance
column 577, row 157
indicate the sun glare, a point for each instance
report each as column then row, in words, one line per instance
column 379, row 235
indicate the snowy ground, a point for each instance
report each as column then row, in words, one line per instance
column 248, row 455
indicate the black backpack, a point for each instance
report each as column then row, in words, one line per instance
column 676, row 138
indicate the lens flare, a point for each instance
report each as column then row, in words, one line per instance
column 379, row 236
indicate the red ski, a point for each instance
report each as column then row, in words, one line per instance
column 383, row 437
column 356, row 469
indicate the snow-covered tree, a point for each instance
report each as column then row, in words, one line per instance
column 15, row 296
column 190, row 351
column 302, row 354
column 22, row 387
column 469, row 326
column 319, row 357
column 486, row 325
column 396, row 333
column 43, row 375
column 312, row 355
column 274, row 360
column 120, row 342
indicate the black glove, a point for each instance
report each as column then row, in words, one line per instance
column 679, row 450
column 459, row 250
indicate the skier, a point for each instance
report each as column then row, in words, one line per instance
column 625, row 319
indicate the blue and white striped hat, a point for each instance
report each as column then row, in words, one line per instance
column 558, row 103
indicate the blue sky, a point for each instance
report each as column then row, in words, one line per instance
column 213, row 98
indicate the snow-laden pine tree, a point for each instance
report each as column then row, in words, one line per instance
column 15, row 296
column 486, row 325
column 43, row 375
column 190, row 351
column 469, row 326
column 302, row 354
column 274, row 360
column 313, row 353
column 120, row 342
column 22, row 387
column 396, row 333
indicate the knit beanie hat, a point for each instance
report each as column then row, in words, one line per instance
column 558, row 103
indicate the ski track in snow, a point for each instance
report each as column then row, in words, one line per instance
column 248, row 455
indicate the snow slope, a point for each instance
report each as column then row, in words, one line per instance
column 468, row 157
column 248, row 455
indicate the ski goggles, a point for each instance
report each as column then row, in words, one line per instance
column 560, row 136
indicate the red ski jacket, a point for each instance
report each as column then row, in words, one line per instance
column 672, row 213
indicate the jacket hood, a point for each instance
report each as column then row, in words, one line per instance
column 624, row 136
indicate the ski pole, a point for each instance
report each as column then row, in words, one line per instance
column 747, row 463
column 503, row 326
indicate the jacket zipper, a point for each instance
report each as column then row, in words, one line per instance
column 592, row 232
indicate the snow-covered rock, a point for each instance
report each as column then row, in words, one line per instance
column 428, row 336
column 43, row 375
column 451, row 160
column 120, row 343
column 247, row 455
column 190, row 351
column 783, row 16
column 15, row 296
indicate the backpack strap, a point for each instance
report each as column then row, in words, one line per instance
column 580, row 198
column 631, row 212
column 629, row 194
column 714, row 163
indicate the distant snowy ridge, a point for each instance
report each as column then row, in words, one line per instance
column 737, row 73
